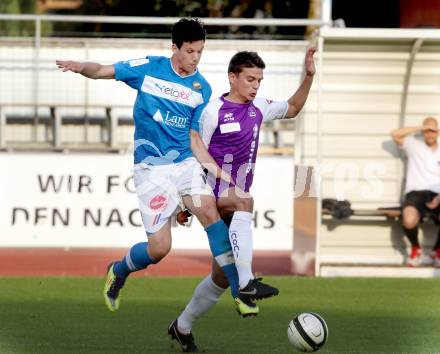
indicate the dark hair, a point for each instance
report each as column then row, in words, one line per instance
column 245, row 60
column 188, row 30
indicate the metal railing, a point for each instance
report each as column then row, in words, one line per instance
column 209, row 21
column 107, row 120
column 54, row 121
column 36, row 103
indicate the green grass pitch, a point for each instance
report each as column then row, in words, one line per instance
column 67, row 315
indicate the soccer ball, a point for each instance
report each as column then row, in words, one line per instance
column 307, row 332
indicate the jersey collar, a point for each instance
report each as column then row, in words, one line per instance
column 172, row 68
column 225, row 100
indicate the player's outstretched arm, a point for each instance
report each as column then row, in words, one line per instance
column 90, row 70
column 299, row 98
column 204, row 157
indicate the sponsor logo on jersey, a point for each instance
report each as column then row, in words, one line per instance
column 228, row 117
column 158, row 117
column 229, row 127
column 252, row 112
column 159, row 202
column 171, row 91
column 175, row 121
column 197, row 85
column 170, row 119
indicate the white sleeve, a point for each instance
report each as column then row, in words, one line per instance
column 271, row 109
column 408, row 143
column 209, row 121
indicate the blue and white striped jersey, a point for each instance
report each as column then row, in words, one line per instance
column 167, row 107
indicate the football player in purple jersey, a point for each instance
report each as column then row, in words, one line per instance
column 227, row 148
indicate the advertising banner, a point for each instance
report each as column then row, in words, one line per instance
column 89, row 200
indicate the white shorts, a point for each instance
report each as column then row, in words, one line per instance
column 160, row 190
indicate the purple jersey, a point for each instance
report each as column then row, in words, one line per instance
column 231, row 130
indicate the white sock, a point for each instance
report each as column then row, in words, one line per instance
column 240, row 235
column 205, row 296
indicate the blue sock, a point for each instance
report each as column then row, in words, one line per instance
column 137, row 258
column 218, row 237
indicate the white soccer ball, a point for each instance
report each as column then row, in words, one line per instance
column 307, row 332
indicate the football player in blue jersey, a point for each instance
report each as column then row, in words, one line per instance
column 171, row 94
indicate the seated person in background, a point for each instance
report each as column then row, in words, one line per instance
column 422, row 183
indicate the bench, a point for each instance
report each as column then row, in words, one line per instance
column 389, row 213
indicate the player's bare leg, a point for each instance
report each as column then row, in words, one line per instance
column 410, row 222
